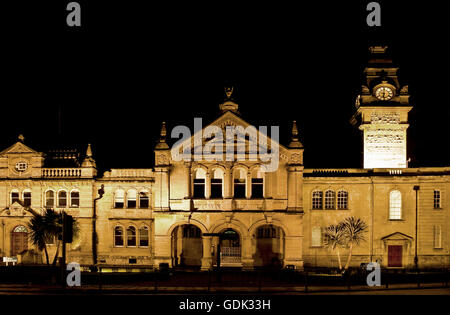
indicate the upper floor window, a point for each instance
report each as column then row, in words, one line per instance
column 74, row 198
column 49, row 199
column 217, row 183
column 143, row 236
column 329, row 200
column 118, row 236
column 199, row 183
column 342, row 200
column 240, row 178
column 62, row 199
column 395, row 205
column 131, row 236
column 437, row 199
column 143, row 200
column 257, row 184
column 317, row 200
column 131, row 198
column 15, row 196
column 119, row 198
column 27, row 198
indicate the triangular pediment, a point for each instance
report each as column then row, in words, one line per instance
column 19, row 148
column 397, row 236
column 230, row 119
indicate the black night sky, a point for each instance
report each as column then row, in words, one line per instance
column 133, row 65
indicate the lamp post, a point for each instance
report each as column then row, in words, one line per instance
column 416, row 259
column 101, row 191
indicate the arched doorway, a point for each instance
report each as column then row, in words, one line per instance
column 230, row 248
column 19, row 240
column 187, row 246
column 269, row 251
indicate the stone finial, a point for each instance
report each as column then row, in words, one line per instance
column 21, row 138
column 229, row 104
column 295, row 143
column 228, row 92
column 89, row 151
column 162, row 137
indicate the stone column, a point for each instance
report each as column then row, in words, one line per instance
column 248, row 187
column 246, row 253
column 227, row 182
column 208, row 185
column 207, row 258
column 188, row 180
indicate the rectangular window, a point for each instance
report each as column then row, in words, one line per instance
column 216, row 187
column 14, row 197
column 437, row 236
column 257, row 188
column 316, row 237
column 143, row 200
column 74, row 199
column 395, row 205
column 143, row 237
column 437, row 199
column 199, row 188
column 27, row 199
column 239, row 188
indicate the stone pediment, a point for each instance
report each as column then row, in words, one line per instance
column 231, row 119
column 15, row 210
column 397, row 236
column 19, row 148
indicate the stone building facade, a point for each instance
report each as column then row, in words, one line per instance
column 202, row 212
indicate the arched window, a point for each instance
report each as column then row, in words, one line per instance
column 240, row 179
column 143, row 200
column 131, row 236
column 118, row 236
column 395, row 205
column 74, row 198
column 62, row 199
column 15, row 196
column 131, row 198
column 317, row 199
column 27, row 198
column 257, row 184
column 217, row 183
column 342, row 200
column 143, row 236
column 199, row 183
column 330, row 200
column 49, row 199
column 119, row 198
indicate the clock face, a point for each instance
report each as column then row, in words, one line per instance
column 21, row 166
column 384, row 93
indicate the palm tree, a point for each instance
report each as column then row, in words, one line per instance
column 47, row 227
column 38, row 233
column 334, row 238
column 354, row 229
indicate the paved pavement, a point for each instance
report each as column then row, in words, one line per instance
column 408, row 289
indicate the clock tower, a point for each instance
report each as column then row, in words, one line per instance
column 382, row 113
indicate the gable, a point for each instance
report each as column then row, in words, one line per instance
column 198, row 141
column 19, row 148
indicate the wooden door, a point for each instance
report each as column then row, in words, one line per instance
column 19, row 242
column 395, row 256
